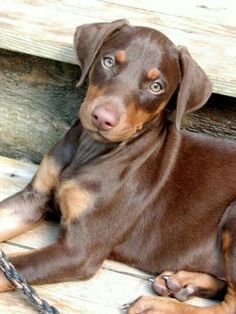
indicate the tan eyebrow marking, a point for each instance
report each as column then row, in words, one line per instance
column 153, row 74
column 120, row 56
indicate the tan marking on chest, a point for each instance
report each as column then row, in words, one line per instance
column 73, row 200
column 47, row 176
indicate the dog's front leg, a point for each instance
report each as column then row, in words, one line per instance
column 23, row 210
column 89, row 234
column 76, row 255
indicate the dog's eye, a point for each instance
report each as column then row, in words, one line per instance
column 108, row 62
column 155, row 88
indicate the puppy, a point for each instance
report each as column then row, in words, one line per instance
column 130, row 185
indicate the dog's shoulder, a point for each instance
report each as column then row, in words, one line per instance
column 208, row 154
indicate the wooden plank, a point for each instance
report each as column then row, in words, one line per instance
column 14, row 175
column 38, row 103
column 194, row 9
column 208, row 29
column 113, row 285
column 217, row 118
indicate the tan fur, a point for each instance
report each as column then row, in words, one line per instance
column 93, row 92
column 47, row 176
column 160, row 108
column 226, row 241
column 153, row 74
column 226, row 244
column 73, row 200
column 229, row 303
column 196, row 279
column 120, row 56
column 138, row 117
column 135, row 116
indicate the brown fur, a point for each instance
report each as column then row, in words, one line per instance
column 143, row 191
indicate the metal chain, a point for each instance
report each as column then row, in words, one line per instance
column 18, row 281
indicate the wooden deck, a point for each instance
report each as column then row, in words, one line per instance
column 113, row 285
column 207, row 28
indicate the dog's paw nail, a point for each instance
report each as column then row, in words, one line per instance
column 125, row 306
column 166, row 277
column 151, row 279
column 173, row 285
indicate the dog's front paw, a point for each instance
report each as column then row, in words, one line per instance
column 184, row 284
column 174, row 284
column 154, row 305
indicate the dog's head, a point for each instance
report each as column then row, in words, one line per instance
column 133, row 72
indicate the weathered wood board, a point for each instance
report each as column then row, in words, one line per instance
column 38, row 103
column 216, row 118
column 207, row 28
column 113, row 285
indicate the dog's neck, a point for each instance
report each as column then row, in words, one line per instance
column 152, row 131
column 158, row 123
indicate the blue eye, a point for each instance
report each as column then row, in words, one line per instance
column 108, row 62
column 155, row 87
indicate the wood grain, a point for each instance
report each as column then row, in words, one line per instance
column 38, row 103
column 208, row 29
column 113, row 285
column 217, row 118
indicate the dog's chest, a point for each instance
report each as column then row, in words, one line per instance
column 116, row 183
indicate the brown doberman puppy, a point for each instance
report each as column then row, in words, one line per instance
column 132, row 186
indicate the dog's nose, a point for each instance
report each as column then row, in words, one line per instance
column 105, row 118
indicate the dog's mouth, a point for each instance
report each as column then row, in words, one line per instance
column 108, row 136
column 96, row 134
column 120, row 132
column 112, row 135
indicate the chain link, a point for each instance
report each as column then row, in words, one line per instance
column 18, row 281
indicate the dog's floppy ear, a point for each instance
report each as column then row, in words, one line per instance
column 88, row 39
column 195, row 87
